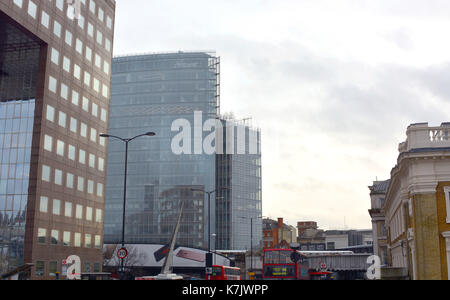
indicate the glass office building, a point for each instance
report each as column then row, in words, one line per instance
column 55, row 69
column 149, row 93
column 239, row 206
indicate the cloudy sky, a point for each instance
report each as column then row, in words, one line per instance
column 332, row 84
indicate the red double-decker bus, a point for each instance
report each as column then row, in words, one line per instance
column 224, row 273
column 279, row 264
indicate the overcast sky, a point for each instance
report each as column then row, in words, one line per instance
column 332, row 84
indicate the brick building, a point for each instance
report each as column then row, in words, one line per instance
column 55, row 70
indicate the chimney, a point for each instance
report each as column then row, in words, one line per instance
column 280, row 222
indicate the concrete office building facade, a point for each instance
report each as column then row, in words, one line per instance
column 55, row 69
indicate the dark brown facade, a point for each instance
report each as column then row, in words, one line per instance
column 68, row 49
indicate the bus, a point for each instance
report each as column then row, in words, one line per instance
column 224, row 273
column 278, row 264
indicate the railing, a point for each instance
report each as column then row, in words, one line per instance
column 422, row 136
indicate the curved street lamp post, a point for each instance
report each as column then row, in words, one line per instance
column 126, row 141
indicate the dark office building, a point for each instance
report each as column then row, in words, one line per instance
column 151, row 93
column 55, row 66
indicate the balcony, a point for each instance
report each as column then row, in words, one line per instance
column 422, row 136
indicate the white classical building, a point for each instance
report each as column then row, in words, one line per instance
column 417, row 207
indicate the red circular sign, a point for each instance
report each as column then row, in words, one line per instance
column 122, row 253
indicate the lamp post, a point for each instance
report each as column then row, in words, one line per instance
column 126, row 141
column 251, row 238
column 209, row 212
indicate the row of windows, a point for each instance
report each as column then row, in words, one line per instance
column 101, row 64
column 60, row 146
column 68, row 210
column 67, row 239
column 71, row 15
column 73, row 125
column 53, row 268
column 70, row 181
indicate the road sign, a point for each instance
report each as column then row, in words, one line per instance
column 122, row 253
column 323, row 266
column 209, row 271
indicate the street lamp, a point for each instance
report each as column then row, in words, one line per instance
column 126, row 141
column 251, row 238
column 209, row 211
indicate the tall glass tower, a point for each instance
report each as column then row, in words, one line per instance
column 149, row 93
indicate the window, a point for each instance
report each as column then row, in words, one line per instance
column 94, row 135
column 97, row 241
column 447, row 202
column 71, row 153
column 50, row 113
column 108, row 45
column 73, row 125
column 103, row 115
column 60, row 148
column 79, row 46
column 80, row 185
column 55, row 237
column 106, row 67
column 101, row 164
column 66, row 238
column 91, row 160
column 57, row 29
column 87, row 240
column 58, row 177
column 109, row 22
column 56, row 207
column 77, row 240
column 87, row 78
column 90, row 187
column 48, row 143
column 98, row 215
column 81, row 21
column 60, row 4
column 69, row 180
column 82, row 157
column 43, row 205
column 18, row 3
column 77, row 71
column 66, row 64
column 62, row 119
column 45, row 19
column 55, row 56
column 40, row 268
column 46, row 173
column 88, row 53
column 52, row 84
column 79, row 212
column 68, row 210
column 90, row 30
column 99, row 189
column 75, row 97
column 68, row 38
column 97, row 266
column 85, row 104
column 64, row 91
column 94, row 110
column 32, row 9
column 99, row 37
column 52, row 268
column 92, row 6
column 42, row 234
column 89, row 213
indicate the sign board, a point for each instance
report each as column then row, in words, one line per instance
column 122, row 253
